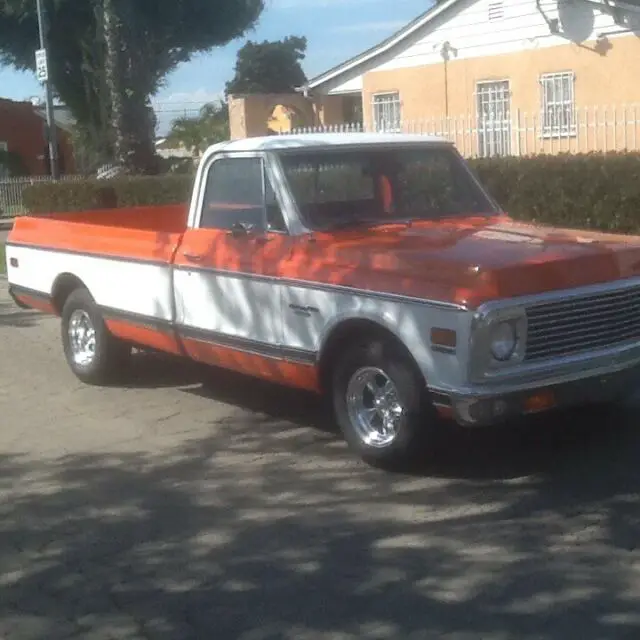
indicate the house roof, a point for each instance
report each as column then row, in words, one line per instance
column 438, row 7
column 61, row 114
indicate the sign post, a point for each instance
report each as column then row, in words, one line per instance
column 42, row 73
column 42, row 66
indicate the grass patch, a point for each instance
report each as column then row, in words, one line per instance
column 3, row 265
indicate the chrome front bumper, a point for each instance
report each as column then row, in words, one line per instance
column 594, row 378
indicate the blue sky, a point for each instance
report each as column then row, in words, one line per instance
column 335, row 29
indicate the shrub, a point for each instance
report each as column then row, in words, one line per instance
column 587, row 191
column 84, row 195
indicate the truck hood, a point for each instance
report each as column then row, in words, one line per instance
column 469, row 261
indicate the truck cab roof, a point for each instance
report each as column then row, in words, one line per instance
column 322, row 140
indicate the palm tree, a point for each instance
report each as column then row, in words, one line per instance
column 195, row 134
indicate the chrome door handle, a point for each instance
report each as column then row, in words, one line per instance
column 193, row 257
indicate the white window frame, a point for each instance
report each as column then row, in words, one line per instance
column 557, row 103
column 390, row 100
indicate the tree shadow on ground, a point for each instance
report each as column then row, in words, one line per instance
column 151, row 370
column 534, row 445
column 12, row 316
column 215, row 538
column 273, row 401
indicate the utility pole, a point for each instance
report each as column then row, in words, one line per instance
column 42, row 70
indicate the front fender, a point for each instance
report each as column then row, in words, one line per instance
column 384, row 320
column 411, row 325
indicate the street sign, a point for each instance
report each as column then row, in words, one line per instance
column 42, row 68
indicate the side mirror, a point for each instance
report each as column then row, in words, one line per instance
column 242, row 229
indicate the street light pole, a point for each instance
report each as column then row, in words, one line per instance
column 51, row 125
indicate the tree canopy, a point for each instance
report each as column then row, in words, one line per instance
column 156, row 36
column 269, row 67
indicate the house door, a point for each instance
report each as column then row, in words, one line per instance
column 493, row 101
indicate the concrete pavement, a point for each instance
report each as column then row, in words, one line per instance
column 174, row 509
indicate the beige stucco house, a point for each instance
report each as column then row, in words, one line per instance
column 502, row 76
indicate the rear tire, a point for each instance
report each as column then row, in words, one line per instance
column 94, row 355
column 381, row 404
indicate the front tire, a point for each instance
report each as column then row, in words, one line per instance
column 94, row 355
column 380, row 404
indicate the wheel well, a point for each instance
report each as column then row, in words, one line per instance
column 349, row 332
column 65, row 284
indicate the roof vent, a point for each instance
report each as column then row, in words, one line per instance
column 496, row 11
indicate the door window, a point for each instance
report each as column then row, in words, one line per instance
column 234, row 194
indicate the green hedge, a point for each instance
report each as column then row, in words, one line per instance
column 586, row 191
column 83, row 195
column 596, row 191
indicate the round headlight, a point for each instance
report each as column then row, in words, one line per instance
column 503, row 341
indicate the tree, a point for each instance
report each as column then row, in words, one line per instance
column 152, row 38
column 269, row 67
column 211, row 125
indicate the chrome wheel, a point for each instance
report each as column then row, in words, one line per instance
column 82, row 338
column 374, row 408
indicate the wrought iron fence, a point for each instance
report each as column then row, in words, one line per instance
column 499, row 133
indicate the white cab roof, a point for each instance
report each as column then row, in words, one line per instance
column 310, row 140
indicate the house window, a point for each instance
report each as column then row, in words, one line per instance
column 352, row 109
column 493, row 104
column 386, row 112
column 558, row 105
column 4, row 169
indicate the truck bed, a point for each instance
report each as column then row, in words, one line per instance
column 122, row 256
column 146, row 233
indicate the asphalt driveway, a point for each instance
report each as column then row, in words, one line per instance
column 229, row 510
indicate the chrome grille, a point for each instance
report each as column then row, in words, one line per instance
column 584, row 323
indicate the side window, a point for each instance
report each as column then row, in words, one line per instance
column 233, row 193
column 275, row 217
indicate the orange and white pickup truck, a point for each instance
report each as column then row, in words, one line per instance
column 373, row 268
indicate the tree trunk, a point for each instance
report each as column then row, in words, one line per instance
column 114, row 79
column 133, row 129
column 141, row 134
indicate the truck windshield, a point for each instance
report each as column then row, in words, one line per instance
column 341, row 187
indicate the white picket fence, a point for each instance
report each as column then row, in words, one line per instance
column 584, row 130
column 11, row 189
